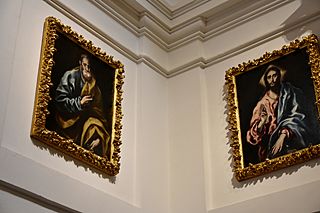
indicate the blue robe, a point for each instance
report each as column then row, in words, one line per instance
column 296, row 114
column 68, row 93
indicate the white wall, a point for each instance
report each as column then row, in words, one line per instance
column 187, row 189
column 45, row 174
column 175, row 155
column 201, row 174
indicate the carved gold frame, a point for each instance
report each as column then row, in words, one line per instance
column 52, row 27
column 242, row 172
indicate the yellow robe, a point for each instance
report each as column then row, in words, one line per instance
column 93, row 125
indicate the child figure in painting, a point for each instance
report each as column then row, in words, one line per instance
column 281, row 122
column 80, row 111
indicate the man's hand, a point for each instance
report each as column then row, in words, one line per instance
column 278, row 145
column 94, row 144
column 263, row 117
column 85, row 100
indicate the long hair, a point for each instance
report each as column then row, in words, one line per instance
column 269, row 68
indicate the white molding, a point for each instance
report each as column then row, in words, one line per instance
column 34, row 198
column 16, row 166
column 174, row 13
column 201, row 26
column 281, row 31
column 197, row 35
column 219, row 23
column 68, row 12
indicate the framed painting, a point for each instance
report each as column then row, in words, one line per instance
column 77, row 107
column 273, row 109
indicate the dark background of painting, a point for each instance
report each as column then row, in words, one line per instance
column 66, row 58
column 249, row 92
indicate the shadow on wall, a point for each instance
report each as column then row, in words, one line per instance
column 274, row 175
column 297, row 23
column 56, row 152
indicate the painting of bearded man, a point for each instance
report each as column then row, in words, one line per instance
column 281, row 122
column 80, row 113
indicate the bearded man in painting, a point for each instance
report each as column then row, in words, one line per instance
column 80, row 110
column 282, row 121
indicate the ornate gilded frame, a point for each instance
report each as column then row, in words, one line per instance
column 53, row 30
column 299, row 53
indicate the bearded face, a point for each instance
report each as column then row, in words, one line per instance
column 85, row 68
column 272, row 79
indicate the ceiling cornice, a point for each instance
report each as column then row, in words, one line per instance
column 213, row 28
column 170, row 13
column 202, row 26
